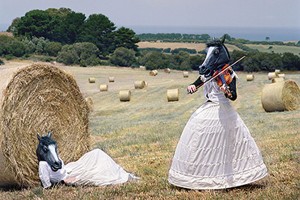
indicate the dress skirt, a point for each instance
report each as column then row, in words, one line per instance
column 98, row 169
column 216, row 151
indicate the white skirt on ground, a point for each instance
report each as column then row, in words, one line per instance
column 216, row 151
column 98, row 169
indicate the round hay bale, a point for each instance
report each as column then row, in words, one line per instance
column 281, row 75
column 90, row 103
column 280, row 96
column 111, row 79
column 173, row 94
column 153, row 73
column 275, row 80
column 36, row 99
column 250, row 77
column 125, row 95
column 277, row 71
column 142, row 67
column 103, row 87
column 272, row 75
column 185, row 74
column 92, row 80
column 139, row 84
column 167, row 70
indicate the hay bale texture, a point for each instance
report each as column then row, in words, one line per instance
column 281, row 96
column 103, row 87
column 139, row 84
column 153, row 72
column 124, row 95
column 185, row 74
column 92, row 80
column 250, row 77
column 173, row 94
column 37, row 99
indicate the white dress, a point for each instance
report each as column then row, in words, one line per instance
column 93, row 168
column 216, row 150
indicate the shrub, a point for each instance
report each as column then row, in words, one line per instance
column 123, row 57
column 52, row 48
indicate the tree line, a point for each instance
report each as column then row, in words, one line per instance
column 68, row 37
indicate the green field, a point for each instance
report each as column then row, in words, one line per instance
column 141, row 135
column 275, row 48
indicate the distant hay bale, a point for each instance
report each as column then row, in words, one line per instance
column 272, row 75
column 111, row 79
column 92, row 80
column 139, row 84
column 281, row 75
column 275, row 80
column 173, row 94
column 250, row 77
column 125, row 95
column 36, row 99
column 167, row 70
column 153, row 72
column 103, row 87
column 90, row 103
column 277, row 71
column 142, row 67
column 281, row 96
column 185, row 74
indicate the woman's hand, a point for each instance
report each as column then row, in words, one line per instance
column 191, row 89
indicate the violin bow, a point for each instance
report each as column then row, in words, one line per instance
column 221, row 71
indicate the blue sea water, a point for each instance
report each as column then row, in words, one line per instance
column 249, row 33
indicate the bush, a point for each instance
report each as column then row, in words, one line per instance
column 83, row 54
column 1, row 62
column 52, row 48
column 123, row 57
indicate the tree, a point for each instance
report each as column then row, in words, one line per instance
column 125, row 37
column 123, row 57
column 98, row 29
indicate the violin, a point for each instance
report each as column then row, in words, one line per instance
column 224, row 79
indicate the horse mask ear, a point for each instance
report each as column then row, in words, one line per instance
column 38, row 136
column 223, row 39
column 49, row 134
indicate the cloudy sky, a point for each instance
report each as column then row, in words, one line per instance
column 227, row 13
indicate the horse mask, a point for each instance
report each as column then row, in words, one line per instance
column 47, row 151
column 217, row 56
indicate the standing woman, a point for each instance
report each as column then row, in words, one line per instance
column 216, row 150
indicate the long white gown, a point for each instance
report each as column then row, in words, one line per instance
column 93, row 168
column 216, row 150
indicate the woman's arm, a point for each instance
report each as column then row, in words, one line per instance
column 232, row 89
column 194, row 86
column 44, row 174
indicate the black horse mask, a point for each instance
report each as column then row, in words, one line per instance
column 47, row 151
column 217, row 56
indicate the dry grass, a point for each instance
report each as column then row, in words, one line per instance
column 141, row 135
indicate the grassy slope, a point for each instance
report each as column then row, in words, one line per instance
column 275, row 48
column 141, row 135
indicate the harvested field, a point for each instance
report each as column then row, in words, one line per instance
column 141, row 135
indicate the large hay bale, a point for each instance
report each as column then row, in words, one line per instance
column 185, row 74
column 275, row 80
column 280, row 96
column 139, row 84
column 250, row 77
column 173, row 94
column 167, row 70
column 272, row 75
column 103, row 87
column 90, row 103
column 92, row 80
column 36, row 99
column 153, row 72
column 111, row 79
column 125, row 95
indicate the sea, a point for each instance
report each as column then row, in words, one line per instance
column 248, row 33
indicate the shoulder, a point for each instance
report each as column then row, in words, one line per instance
column 43, row 164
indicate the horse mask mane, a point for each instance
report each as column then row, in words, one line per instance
column 217, row 56
column 47, row 151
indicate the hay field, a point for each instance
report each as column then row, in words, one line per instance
column 275, row 48
column 175, row 45
column 141, row 135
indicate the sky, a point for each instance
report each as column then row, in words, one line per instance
column 229, row 13
column 248, row 19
